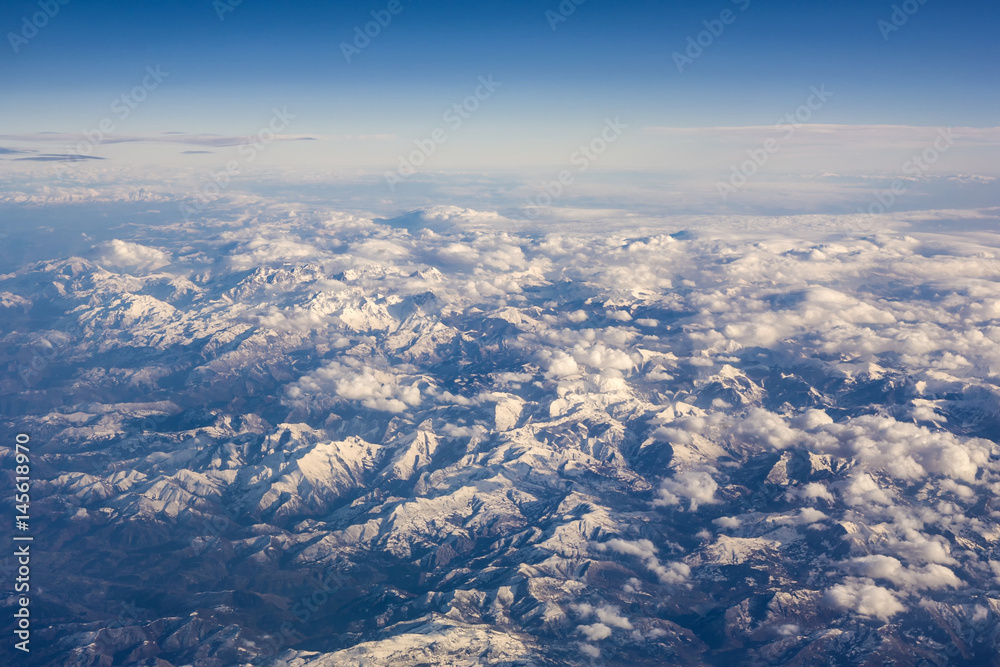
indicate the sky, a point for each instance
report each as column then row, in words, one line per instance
column 687, row 80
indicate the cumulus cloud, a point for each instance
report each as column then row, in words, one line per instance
column 600, row 357
column 272, row 249
column 931, row 576
column 594, row 631
column 671, row 573
column 128, row 255
column 443, row 219
column 352, row 380
column 456, row 431
column 607, row 614
column 788, row 629
column 695, row 486
column 811, row 491
column 864, row 599
column 809, row 515
column 560, row 365
column 862, row 489
column 619, row 315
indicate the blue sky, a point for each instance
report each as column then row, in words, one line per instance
column 229, row 66
column 940, row 67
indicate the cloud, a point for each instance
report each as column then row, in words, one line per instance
column 126, row 254
column 864, row 599
column 216, row 140
column 905, row 450
column 560, row 364
column 594, row 632
column 272, row 249
column 607, row 614
column 932, row 576
column 444, row 219
column 600, row 357
column 697, row 487
column 59, row 157
column 354, row 381
column 671, row 573
column 861, row 489
column 809, row 515
column 811, row 491
column 819, row 135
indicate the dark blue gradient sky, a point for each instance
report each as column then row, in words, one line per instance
column 939, row 68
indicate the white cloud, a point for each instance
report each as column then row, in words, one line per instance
column 811, row 491
column 125, row 254
column 594, row 632
column 352, row 380
column 697, row 487
column 560, row 365
column 607, row 614
column 263, row 250
column 995, row 567
column 864, row 599
column 862, row 489
column 671, row 573
column 932, row 576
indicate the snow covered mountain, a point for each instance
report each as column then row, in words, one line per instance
column 330, row 440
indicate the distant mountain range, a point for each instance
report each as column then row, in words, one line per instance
column 329, row 441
